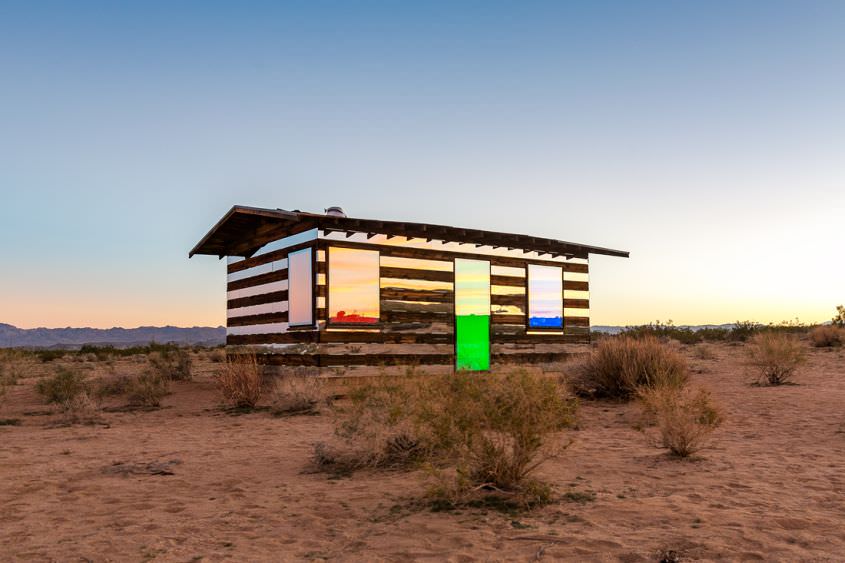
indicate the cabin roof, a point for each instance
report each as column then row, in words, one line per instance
column 243, row 230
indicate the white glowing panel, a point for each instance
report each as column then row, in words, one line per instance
column 300, row 288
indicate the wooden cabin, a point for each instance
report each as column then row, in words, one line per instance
column 327, row 290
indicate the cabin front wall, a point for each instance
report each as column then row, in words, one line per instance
column 416, row 305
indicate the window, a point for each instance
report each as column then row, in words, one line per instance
column 300, row 288
column 472, row 314
column 545, row 296
column 353, row 286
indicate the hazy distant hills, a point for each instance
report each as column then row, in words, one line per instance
column 617, row 329
column 13, row 337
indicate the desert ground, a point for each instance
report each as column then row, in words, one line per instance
column 192, row 482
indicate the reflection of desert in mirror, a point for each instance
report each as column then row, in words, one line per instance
column 422, row 281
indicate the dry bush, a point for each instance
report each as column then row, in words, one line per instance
column 147, row 389
column 112, row 386
column 621, row 365
column 240, row 381
column 63, row 386
column 827, row 336
column 684, row 417
column 173, row 364
column 775, row 357
column 492, row 429
column 703, row 352
column 293, row 394
column 80, row 409
column 217, row 356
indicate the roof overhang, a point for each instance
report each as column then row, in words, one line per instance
column 243, row 230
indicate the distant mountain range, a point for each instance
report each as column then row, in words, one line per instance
column 617, row 329
column 13, row 337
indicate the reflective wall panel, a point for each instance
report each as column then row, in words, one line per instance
column 353, row 279
column 300, row 288
column 472, row 314
column 545, row 296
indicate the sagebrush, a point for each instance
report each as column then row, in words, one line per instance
column 477, row 433
column 826, row 336
column 147, row 389
column 774, row 357
column 296, row 394
column 240, row 381
column 685, row 417
column 620, row 365
column 63, row 386
column 173, row 364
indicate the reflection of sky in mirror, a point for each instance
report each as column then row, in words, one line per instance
column 545, row 296
column 472, row 287
column 300, row 287
column 353, row 285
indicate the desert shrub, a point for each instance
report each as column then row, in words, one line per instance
column 775, row 357
column 826, row 336
column 496, row 427
column 743, row 330
column 703, row 352
column 294, row 394
column 62, row 387
column 217, row 356
column 173, row 364
column 621, row 365
column 839, row 317
column 240, row 381
column 112, row 386
column 147, row 389
column 684, row 335
column 684, row 417
column 478, row 432
column 713, row 334
column 47, row 356
column 80, row 409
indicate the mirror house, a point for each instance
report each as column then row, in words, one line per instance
column 326, row 290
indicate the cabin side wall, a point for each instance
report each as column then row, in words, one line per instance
column 417, row 323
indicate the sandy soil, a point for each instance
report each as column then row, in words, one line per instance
column 235, row 487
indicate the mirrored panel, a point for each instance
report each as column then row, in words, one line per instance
column 353, row 279
column 545, row 296
column 472, row 314
column 300, row 288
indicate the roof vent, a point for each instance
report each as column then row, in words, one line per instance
column 335, row 211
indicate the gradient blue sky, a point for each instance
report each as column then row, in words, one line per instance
column 706, row 138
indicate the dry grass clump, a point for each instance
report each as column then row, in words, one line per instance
column 63, row 386
column 147, row 389
column 479, row 434
column 240, row 381
column 775, row 357
column 81, row 409
column 295, row 394
column 619, row 366
column 703, row 352
column 684, row 417
column 173, row 364
column 827, row 336
column 69, row 389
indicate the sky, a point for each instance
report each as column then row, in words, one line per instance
column 706, row 138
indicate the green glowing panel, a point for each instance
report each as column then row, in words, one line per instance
column 472, row 314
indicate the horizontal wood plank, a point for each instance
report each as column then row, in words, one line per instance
column 258, row 280
column 272, row 297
